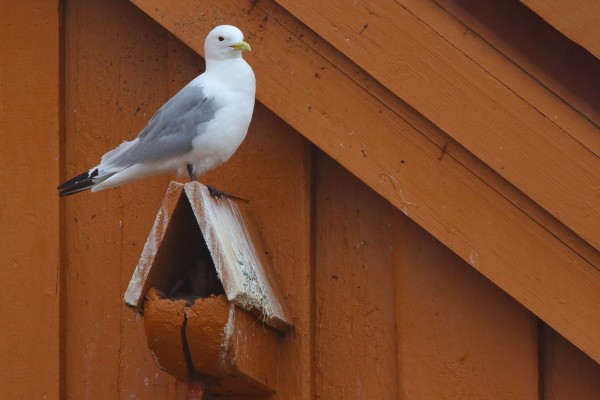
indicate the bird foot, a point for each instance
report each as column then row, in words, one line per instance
column 216, row 193
column 219, row 194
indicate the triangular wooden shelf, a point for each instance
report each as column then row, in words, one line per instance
column 190, row 222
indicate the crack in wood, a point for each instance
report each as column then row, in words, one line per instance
column 197, row 384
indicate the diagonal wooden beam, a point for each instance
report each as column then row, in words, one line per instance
column 528, row 55
column 409, row 162
column 497, row 125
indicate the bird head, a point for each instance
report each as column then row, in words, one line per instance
column 225, row 41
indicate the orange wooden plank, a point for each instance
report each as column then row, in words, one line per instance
column 30, row 267
column 567, row 373
column 467, row 102
column 355, row 334
column 576, row 19
column 419, row 171
column 459, row 336
column 534, row 60
column 116, row 76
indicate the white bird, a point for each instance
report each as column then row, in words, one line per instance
column 195, row 131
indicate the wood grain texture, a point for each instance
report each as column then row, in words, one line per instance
column 355, row 348
column 239, row 256
column 30, row 267
column 576, row 19
column 147, row 273
column 234, row 244
column 459, row 336
column 419, row 171
column 116, row 76
column 508, row 27
column 441, row 82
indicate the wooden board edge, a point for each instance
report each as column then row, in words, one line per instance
column 134, row 295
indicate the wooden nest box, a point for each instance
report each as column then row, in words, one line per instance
column 206, row 289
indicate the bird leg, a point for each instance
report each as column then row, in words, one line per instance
column 190, row 169
column 215, row 193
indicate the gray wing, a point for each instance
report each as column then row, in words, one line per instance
column 169, row 132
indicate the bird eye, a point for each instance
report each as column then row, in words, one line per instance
column 221, row 38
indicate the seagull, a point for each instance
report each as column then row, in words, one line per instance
column 195, row 131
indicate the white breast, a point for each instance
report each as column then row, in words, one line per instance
column 233, row 87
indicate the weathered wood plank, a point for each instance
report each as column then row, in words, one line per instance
column 30, row 234
column 445, row 144
column 240, row 259
column 355, row 334
column 188, row 216
column 459, row 336
column 332, row 107
column 576, row 19
column 511, row 42
column 145, row 274
column 468, row 103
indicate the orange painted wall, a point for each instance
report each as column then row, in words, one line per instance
column 381, row 308
column 30, row 264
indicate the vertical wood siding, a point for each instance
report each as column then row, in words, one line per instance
column 116, row 75
column 459, row 336
column 355, row 321
column 30, row 265
column 381, row 308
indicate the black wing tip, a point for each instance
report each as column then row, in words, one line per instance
column 78, row 178
column 77, row 184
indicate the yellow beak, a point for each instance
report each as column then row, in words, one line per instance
column 241, row 46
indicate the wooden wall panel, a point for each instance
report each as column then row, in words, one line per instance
column 459, row 336
column 568, row 373
column 121, row 67
column 116, row 76
column 355, row 339
column 30, row 271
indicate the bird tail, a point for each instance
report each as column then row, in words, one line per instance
column 81, row 182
